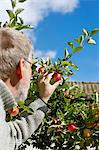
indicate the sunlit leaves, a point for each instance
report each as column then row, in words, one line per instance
column 21, row 1
column 21, row 20
column 0, row 24
column 66, row 53
column 79, row 40
column 91, row 41
column 65, row 63
column 13, row 2
column 77, row 49
column 85, row 32
column 93, row 32
column 5, row 24
column 70, row 44
column 11, row 14
column 18, row 11
column 73, row 65
column 15, row 21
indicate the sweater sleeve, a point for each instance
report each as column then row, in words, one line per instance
column 14, row 133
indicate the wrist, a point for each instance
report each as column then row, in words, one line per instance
column 45, row 100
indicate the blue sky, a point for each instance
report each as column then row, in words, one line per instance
column 57, row 28
column 58, row 21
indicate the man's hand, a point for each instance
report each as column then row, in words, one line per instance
column 44, row 86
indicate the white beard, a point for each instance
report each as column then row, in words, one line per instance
column 22, row 92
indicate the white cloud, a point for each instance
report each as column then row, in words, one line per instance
column 35, row 11
column 4, row 5
column 64, row 6
column 48, row 53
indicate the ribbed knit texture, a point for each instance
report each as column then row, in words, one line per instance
column 6, row 95
column 14, row 133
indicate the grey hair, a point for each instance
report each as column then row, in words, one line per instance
column 14, row 45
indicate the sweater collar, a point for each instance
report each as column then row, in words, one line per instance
column 6, row 95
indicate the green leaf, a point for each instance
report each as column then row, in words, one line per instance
column 21, row 1
column 10, row 13
column 49, row 62
column 70, row 44
column 79, row 40
column 55, row 64
column 85, row 32
column 30, row 109
column 93, row 32
column 50, row 129
column 21, row 20
column 21, row 27
column 65, row 63
column 0, row 24
column 18, row 11
column 13, row 23
column 66, row 53
column 5, row 24
column 91, row 41
column 77, row 49
column 74, row 66
column 67, row 68
column 59, row 61
column 69, row 73
column 21, row 103
column 13, row 2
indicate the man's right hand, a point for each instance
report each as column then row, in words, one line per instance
column 44, row 86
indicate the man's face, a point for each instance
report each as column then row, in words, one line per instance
column 24, row 83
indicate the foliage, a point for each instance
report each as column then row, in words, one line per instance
column 67, row 106
column 15, row 21
column 75, row 108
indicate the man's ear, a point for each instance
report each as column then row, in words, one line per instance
column 20, row 68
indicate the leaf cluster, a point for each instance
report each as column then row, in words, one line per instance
column 15, row 21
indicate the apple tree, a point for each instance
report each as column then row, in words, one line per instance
column 72, row 120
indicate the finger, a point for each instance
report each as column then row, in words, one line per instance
column 57, row 83
column 46, row 73
column 42, row 76
column 48, row 77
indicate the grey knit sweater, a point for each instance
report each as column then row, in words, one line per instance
column 14, row 133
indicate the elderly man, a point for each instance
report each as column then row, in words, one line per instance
column 15, row 74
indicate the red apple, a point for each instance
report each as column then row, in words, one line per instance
column 13, row 111
column 56, row 76
column 97, row 126
column 97, row 111
column 41, row 70
column 72, row 127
